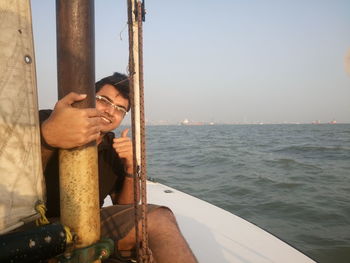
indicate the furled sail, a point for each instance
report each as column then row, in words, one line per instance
column 21, row 180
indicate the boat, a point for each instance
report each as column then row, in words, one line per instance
column 215, row 235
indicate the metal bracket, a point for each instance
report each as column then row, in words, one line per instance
column 100, row 250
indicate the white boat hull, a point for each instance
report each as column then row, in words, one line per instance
column 216, row 235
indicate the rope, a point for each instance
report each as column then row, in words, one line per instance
column 131, row 70
column 147, row 257
column 144, row 254
column 69, row 234
column 41, row 209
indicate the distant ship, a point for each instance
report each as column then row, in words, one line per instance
column 195, row 123
column 185, row 122
column 319, row 122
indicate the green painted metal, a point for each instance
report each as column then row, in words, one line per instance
column 98, row 251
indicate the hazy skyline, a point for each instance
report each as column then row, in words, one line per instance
column 221, row 61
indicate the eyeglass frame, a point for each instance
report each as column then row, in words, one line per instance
column 115, row 107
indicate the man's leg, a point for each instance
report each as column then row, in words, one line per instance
column 165, row 239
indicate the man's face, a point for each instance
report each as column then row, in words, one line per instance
column 112, row 116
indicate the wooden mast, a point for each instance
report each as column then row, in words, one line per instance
column 135, row 17
column 76, row 72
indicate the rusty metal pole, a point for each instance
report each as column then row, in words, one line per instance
column 76, row 72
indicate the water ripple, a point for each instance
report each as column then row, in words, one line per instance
column 292, row 180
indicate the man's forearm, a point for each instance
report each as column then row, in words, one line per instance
column 46, row 150
column 126, row 196
column 45, row 156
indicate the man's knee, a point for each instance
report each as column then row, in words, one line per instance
column 161, row 216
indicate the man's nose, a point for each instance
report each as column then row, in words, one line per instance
column 109, row 110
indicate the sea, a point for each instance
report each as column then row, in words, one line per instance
column 291, row 180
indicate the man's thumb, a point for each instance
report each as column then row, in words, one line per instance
column 72, row 97
column 124, row 133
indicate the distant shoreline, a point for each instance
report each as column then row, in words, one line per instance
column 238, row 124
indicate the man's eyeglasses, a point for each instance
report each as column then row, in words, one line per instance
column 105, row 102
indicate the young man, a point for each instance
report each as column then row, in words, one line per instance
column 68, row 127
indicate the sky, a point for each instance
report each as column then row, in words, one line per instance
column 224, row 61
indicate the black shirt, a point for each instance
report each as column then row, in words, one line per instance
column 110, row 172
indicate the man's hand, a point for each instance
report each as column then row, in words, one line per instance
column 123, row 147
column 69, row 127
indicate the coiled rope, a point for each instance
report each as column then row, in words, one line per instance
column 41, row 209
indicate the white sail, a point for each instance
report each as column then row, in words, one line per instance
column 21, row 180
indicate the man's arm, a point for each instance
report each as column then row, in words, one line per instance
column 126, row 195
column 69, row 127
column 46, row 150
column 123, row 147
column 45, row 156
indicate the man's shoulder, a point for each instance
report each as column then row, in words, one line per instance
column 109, row 136
column 44, row 114
column 107, row 141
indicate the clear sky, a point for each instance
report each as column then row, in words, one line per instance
column 222, row 61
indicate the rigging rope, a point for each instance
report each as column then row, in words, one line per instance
column 131, row 70
column 135, row 17
column 146, row 252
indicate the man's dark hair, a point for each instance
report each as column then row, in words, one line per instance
column 119, row 81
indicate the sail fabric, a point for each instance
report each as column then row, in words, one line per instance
column 21, row 179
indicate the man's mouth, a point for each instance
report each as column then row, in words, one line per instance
column 106, row 120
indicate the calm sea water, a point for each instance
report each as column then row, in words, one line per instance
column 292, row 180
